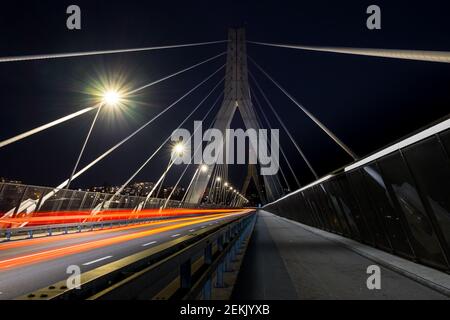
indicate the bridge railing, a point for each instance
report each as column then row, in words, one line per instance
column 397, row 199
column 19, row 199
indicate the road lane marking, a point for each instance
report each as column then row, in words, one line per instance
column 149, row 243
column 175, row 235
column 192, row 230
column 203, row 227
column 97, row 260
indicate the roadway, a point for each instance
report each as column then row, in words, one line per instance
column 28, row 265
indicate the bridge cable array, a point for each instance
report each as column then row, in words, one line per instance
column 220, row 171
column 32, row 205
column 277, row 116
column 283, row 154
column 164, row 143
column 79, row 113
column 309, row 114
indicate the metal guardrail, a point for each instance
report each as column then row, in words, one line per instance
column 45, row 199
column 48, row 230
column 396, row 199
column 144, row 274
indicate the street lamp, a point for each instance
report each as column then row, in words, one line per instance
column 204, row 168
column 178, row 149
column 111, row 98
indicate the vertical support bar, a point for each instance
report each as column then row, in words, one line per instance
column 2, row 187
column 220, row 243
column 208, row 254
column 83, row 201
column 207, row 289
column 72, row 197
column 39, row 203
column 105, row 200
column 20, row 201
column 185, row 275
column 219, row 275
column 97, row 194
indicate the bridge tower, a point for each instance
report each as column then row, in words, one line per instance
column 236, row 97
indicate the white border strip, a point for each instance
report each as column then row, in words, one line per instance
column 444, row 125
column 304, row 188
column 404, row 143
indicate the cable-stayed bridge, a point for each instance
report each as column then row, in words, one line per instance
column 395, row 201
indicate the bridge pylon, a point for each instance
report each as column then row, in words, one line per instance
column 236, row 97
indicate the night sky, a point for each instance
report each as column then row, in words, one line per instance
column 368, row 102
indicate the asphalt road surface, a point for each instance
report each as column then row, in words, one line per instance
column 28, row 265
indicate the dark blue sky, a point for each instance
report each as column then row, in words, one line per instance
column 368, row 102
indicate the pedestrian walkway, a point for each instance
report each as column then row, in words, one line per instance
column 286, row 260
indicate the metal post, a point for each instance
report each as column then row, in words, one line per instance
column 207, row 290
column 219, row 275
column 83, row 201
column 39, row 201
column 220, row 243
column 20, row 201
column 228, row 262
column 208, row 254
column 185, row 275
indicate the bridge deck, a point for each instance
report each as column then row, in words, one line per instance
column 286, row 261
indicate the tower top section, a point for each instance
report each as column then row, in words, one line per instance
column 236, row 80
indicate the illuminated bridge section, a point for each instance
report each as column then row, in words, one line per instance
column 397, row 199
